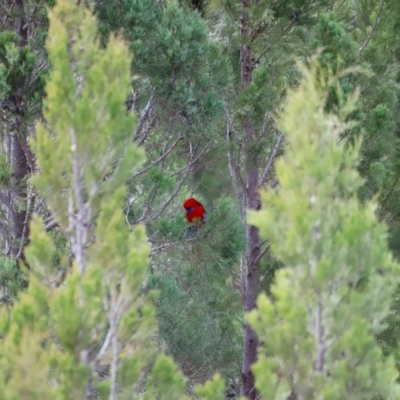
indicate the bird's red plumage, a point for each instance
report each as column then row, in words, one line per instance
column 194, row 211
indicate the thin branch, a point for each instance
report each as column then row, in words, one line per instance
column 284, row 30
column 115, row 350
column 105, row 345
column 192, row 161
column 271, row 159
column 187, row 169
column 162, row 157
column 369, row 37
column 148, row 205
column 80, row 224
column 231, row 169
column 143, row 118
column 258, row 59
column 319, row 334
column 242, row 277
column 199, row 369
column 385, row 200
column 145, row 134
column 267, row 118
column 174, row 193
column 25, row 229
column 240, row 178
column 262, row 253
column 155, row 250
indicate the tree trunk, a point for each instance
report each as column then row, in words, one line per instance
column 17, row 146
column 252, row 281
column 18, row 195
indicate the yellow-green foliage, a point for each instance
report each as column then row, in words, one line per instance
column 25, row 356
column 212, row 389
column 339, row 277
column 54, row 338
column 86, row 128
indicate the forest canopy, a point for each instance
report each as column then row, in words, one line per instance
column 198, row 199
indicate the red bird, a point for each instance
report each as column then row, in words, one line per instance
column 195, row 212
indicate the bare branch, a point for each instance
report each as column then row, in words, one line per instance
column 114, row 365
column 145, row 134
column 161, row 158
column 192, row 160
column 271, row 159
column 239, row 175
column 80, row 223
column 144, row 117
column 267, row 118
column 242, row 277
column 369, row 37
column 319, row 334
column 50, row 226
column 262, row 253
column 155, row 250
column 385, row 200
column 187, row 168
column 148, row 205
column 174, row 193
column 231, row 168
column 25, row 229
column 105, row 345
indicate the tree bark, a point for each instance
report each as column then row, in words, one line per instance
column 18, row 195
column 17, row 145
column 252, row 281
column 19, row 162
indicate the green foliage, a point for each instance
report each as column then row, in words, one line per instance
column 188, row 73
column 5, row 171
column 212, row 389
column 165, row 381
column 181, row 76
column 199, row 311
column 258, row 97
column 16, row 63
column 335, row 291
column 99, row 131
column 99, row 316
column 331, row 35
column 23, row 359
column 23, row 67
column 12, row 279
column 174, row 58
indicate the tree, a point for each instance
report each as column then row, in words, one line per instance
column 92, row 312
column 199, row 310
column 99, row 319
column 178, row 94
column 263, row 39
column 23, row 65
column 335, row 291
column 204, row 99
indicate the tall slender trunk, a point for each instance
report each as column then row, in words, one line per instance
column 18, row 193
column 17, row 146
column 252, row 280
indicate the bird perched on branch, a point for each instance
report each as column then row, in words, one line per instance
column 195, row 212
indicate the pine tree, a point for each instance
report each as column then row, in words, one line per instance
column 23, row 66
column 95, row 316
column 331, row 298
column 177, row 94
column 263, row 39
column 199, row 309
